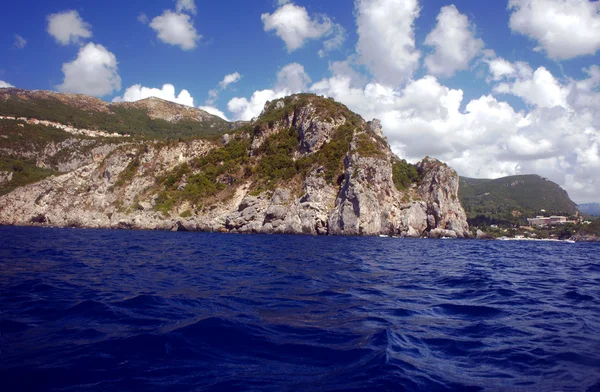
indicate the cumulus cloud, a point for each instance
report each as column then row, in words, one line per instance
column 93, row 72
column 386, row 38
column 67, row 27
column 214, row 111
column 294, row 26
column 291, row 79
column 167, row 92
column 176, row 29
column 539, row 88
column 454, row 43
column 4, row 84
column 563, row 28
column 20, row 42
column 557, row 137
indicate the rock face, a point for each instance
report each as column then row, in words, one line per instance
column 150, row 185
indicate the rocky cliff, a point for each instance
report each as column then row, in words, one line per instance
column 306, row 165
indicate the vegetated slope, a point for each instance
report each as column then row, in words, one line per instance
column 307, row 165
column 512, row 199
column 590, row 208
column 150, row 118
column 591, row 229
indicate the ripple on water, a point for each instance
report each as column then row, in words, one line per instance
column 124, row 310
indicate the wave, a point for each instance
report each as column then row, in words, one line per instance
column 102, row 310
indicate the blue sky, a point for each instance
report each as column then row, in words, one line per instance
column 492, row 87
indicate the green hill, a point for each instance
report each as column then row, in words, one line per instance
column 593, row 228
column 510, row 200
column 149, row 118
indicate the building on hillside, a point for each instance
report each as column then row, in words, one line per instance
column 547, row 221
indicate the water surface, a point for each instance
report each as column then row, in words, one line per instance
column 140, row 310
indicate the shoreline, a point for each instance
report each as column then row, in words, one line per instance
column 570, row 240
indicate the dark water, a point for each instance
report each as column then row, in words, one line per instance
column 120, row 310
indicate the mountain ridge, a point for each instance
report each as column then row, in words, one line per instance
column 151, row 117
column 512, row 199
column 590, row 208
column 307, row 165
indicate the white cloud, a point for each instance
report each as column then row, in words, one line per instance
column 290, row 79
column 454, row 41
column 558, row 137
column 563, row 28
column 229, row 79
column 4, row 84
column 67, row 27
column 539, row 88
column 176, row 29
column 186, row 6
column 244, row 109
column 142, row 18
column 214, row 111
column 294, row 26
column 93, row 72
column 20, row 42
column 167, row 92
column 500, row 68
column 338, row 36
column 386, row 38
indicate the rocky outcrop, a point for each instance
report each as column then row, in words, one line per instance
column 439, row 189
column 5, row 177
column 122, row 185
column 585, row 238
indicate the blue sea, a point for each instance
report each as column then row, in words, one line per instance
column 102, row 310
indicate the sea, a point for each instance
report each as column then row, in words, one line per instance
column 110, row 310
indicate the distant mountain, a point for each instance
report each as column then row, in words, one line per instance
column 149, row 118
column 590, row 208
column 512, row 199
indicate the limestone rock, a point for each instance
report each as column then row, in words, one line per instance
column 481, row 235
column 121, row 185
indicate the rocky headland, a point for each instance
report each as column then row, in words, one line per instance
column 307, row 165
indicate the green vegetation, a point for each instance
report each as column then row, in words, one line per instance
column 17, row 135
column 205, row 176
column 593, row 228
column 366, row 146
column 23, row 172
column 325, row 108
column 271, row 165
column 404, row 174
column 510, row 200
column 185, row 214
column 277, row 163
column 119, row 119
column 128, row 173
column 331, row 155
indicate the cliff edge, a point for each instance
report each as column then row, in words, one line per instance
column 306, row 165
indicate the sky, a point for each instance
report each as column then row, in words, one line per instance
column 493, row 88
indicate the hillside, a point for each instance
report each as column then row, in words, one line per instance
column 512, row 199
column 149, row 118
column 591, row 229
column 590, row 209
column 307, row 165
